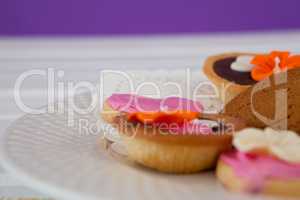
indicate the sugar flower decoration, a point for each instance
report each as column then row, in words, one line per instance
column 284, row 145
column 275, row 62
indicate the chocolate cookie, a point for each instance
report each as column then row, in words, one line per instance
column 228, row 82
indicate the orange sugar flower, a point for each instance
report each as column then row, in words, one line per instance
column 276, row 61
column 163, row 117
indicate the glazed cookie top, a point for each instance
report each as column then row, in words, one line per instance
column 144, row 107
column 173, row 115
column 134, row 103
column 256, row 169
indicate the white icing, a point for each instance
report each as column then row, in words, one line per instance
column 242, row 64
column 244, row 59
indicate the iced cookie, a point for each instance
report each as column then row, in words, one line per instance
column 155, row 135
column 264, row 161
column 230, row 73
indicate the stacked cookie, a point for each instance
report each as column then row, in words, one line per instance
column 253, row 143
column 265, row 95
column 169, row 145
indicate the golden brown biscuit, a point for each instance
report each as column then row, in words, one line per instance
column 176, row 153
column 273, row 102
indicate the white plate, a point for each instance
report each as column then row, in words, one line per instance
column 67, row 163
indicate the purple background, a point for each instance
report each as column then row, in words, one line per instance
column 103, row 17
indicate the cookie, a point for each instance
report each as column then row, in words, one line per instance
column 263, row 161
column 272, row 102
column 170, row 147
column 230, row 73
column 172, row 151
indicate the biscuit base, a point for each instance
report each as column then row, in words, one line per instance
column 171, row 158
column 225, row 173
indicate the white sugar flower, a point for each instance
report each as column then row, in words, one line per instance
column 283, row 144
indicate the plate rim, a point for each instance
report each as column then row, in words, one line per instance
column 31, row 181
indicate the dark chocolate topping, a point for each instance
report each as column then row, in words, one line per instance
column 222, row 68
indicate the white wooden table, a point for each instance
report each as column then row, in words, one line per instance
column 83, row 58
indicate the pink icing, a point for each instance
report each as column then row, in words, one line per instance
column 133, row 103
column 255, row 169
